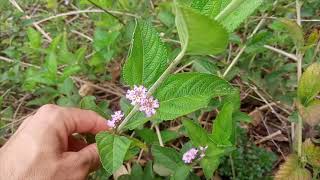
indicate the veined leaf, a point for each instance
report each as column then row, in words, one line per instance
column 309, row 84
column 224, row 125
column 196, row 133
column 239, row 13
column 184, row 93
column 291, row 170
column 167, row 157
column 112, row 150
column 148, row 56
column 210, row 8
column 199, row 34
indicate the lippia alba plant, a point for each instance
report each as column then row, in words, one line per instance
column 156, row 94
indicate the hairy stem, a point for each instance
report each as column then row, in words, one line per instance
column 159, row 135
column 152, row 89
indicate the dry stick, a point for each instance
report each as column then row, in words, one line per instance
column 84, row 11
column 235, row 60
column 289, row 55
column 82, row 35
column 15, row 4
column 270, row 136
column 72, row 77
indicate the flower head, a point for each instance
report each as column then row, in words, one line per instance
column 137, row 94
column 117, row 116
column 149, row 106
column 115, row 119
column 190, row 155
column 111, row 123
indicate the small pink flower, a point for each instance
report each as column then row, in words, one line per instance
column 117, row 116
column 137, row 94
column 190, row 155
column 111, row 123
column 115, row 119
column 149, row 106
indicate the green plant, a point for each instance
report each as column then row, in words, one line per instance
column 169, row 96
column 247, row 161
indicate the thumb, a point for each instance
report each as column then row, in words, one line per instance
column 89, row 157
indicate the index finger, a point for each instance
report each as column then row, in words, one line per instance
column 74, row 120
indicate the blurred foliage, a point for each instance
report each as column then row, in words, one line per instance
column 250, row 162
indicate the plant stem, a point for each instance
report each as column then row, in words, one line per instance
column 298, row 133
column 299, row 136
column 159, row 135
column 232, row 167
column 229, row 9
column 163, row 77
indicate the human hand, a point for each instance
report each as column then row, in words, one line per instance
column 43, row 147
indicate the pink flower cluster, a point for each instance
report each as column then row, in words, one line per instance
column 147, row 104
column 193, row 153
column 115, row 119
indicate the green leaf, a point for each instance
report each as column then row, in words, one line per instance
column 167, row 157
column 112, row 150
column 209, row 8
column 181, row 173
column 67, row 87
column 211, row 160
column 224, row 126
column 147, row 135
column 196, row 133
column 148, row 56
column 199, row 34
column 34, row 38
column 309, row 84
column 184, row 93
column 239, row 12
column 295, row 32
column 88, row 102
column 51, row 64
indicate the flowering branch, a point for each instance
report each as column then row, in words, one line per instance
column 163, row 77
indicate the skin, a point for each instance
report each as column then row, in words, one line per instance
column 43, row 147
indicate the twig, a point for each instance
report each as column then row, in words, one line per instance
column 235, row 60
column 84, row 11
column 270, row 136
column 107, row 11
column 15, row 4
column 82, row 35
column 289, row 55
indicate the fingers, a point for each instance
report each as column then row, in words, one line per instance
column 75, row 144
column 85, row 160
column 89, row 156
column 72, row 120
